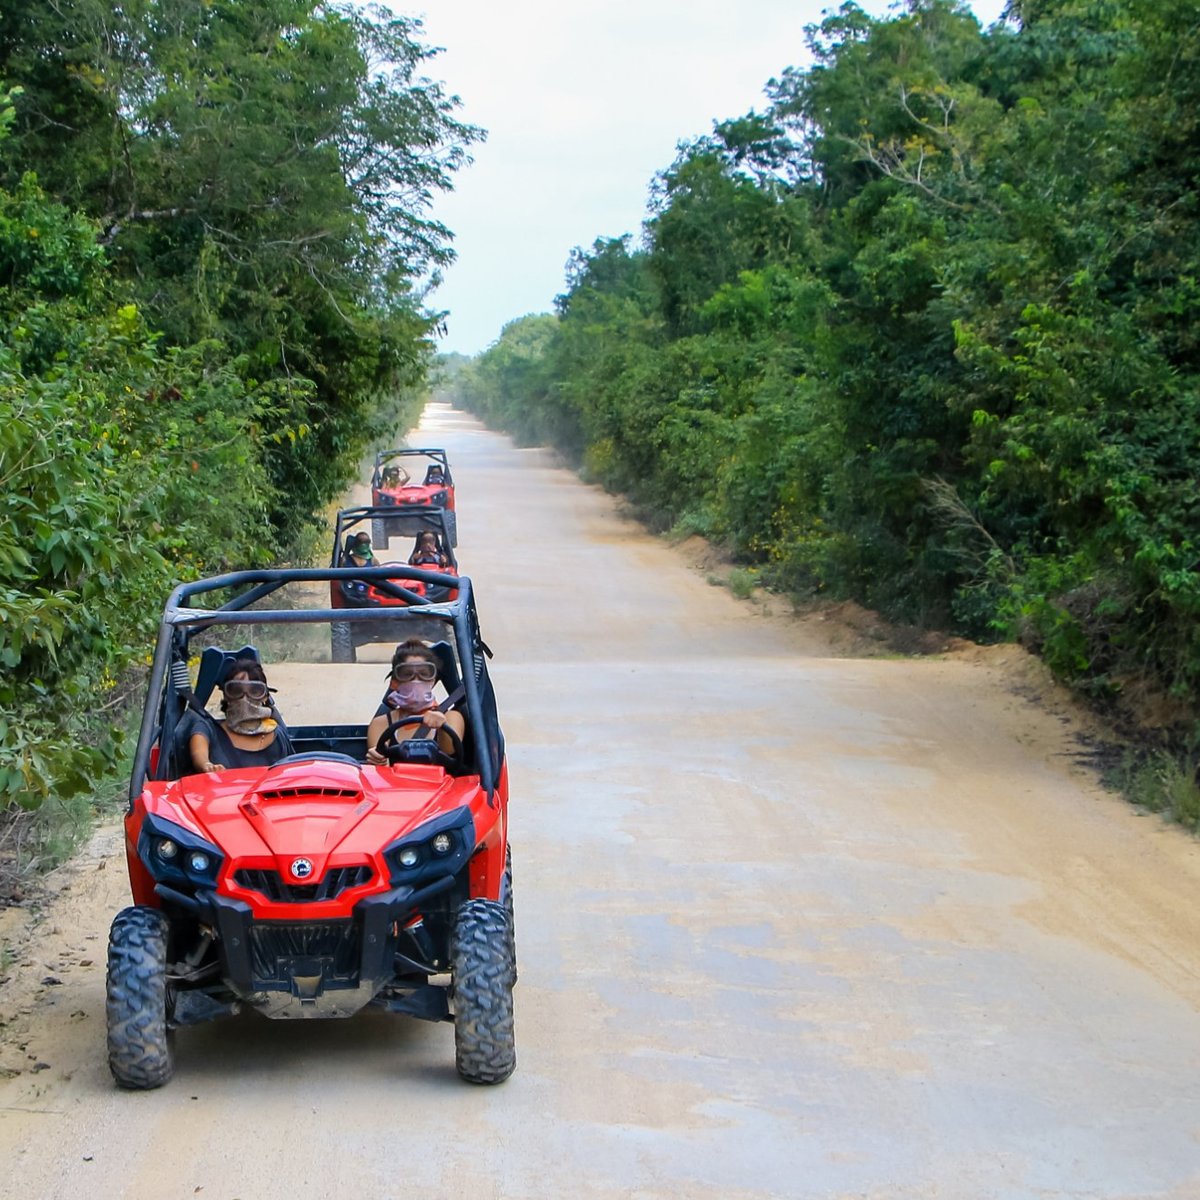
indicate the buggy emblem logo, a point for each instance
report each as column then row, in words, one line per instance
column 302, row 868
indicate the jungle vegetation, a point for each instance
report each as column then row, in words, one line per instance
column 922, row 332
column 215, row 245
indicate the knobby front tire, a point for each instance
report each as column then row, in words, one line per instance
column 485, row 1049
column 137, row 1002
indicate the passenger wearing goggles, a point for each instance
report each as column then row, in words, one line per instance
column 251, row 734
column 411, row 682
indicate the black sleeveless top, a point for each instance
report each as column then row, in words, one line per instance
column 222, row 750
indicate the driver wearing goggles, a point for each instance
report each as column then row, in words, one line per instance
column 411, row 680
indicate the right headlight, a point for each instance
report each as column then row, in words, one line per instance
column 439, row 847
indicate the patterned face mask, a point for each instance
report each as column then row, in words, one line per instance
column 410, row 698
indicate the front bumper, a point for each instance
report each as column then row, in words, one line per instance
column 316, row 968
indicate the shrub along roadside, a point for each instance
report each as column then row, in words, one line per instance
column 127, row 463
column 215, row 239
column 122, row 468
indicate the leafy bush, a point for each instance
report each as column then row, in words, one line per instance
column 199, row 337
column 121, row 469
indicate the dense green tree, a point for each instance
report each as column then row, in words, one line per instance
column 122, row 467
column 923, row 333
column 499, row 384
column 714, row 213
column 214, row 242
column 262, row 175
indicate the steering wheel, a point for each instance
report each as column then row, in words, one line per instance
column 421, row 750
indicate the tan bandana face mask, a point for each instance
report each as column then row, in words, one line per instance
column 248, row 717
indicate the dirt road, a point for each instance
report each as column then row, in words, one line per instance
column 790, row 926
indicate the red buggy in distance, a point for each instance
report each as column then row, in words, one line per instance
column 412, row 477
column 321, row 884
column 411, row 523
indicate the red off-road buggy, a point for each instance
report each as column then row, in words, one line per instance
column 414, row 525
column 319, row 885
column 412, row 477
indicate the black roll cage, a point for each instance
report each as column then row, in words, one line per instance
column 422, row 517
column 436, row 453
column 460, row 614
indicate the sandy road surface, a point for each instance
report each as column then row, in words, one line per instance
column 789, row 926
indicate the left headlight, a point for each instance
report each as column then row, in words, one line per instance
column 177, row 856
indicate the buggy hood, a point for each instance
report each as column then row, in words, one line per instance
column 332, row 813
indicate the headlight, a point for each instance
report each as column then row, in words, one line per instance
column 177, row 856
column 440, row 847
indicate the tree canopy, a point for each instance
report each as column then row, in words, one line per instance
column 215, row 248
column 921, row 332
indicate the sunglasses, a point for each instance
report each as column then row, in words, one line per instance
column 407, row 672
column 251, row 689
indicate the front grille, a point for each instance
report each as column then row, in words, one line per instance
column 272, row 885
column 281, row 949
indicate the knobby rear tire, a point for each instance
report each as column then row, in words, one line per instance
column 137, row 1002
column 508, row 907
column 485, row 1049
column 341, row 643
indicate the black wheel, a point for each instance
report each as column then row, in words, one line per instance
column 379, row 533
column 452, row 526
column 138, row 1000
column 481, row 959
column 341, row 643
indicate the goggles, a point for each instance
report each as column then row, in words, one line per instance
column 426, row 672
column 251, row 689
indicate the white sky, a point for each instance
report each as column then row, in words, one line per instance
column 584, row 100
